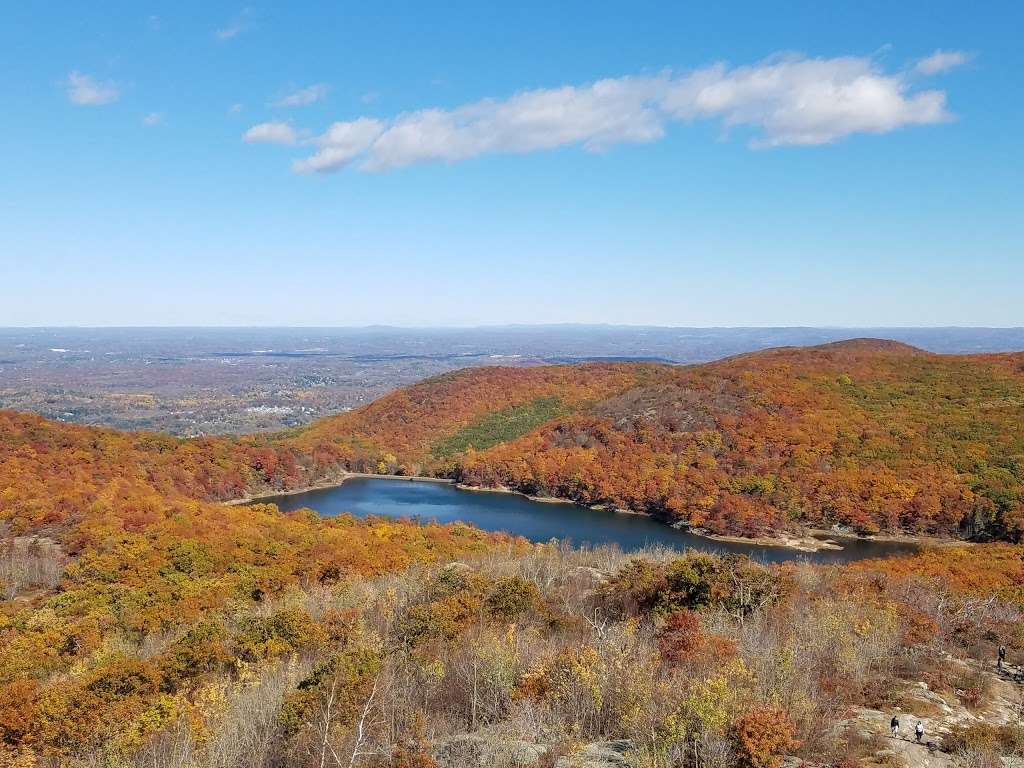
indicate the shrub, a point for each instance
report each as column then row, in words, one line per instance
column 335, row 688
column 511, row 597
column 412, row 756
column 445, row 618
column 982, row 737
column 17, row 710
column 681, row 638
column 697, row 580
column 284, row 632
column 202, row 649
column 121, row 679
column 763, row 736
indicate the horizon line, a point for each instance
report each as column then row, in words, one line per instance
column 524, row 326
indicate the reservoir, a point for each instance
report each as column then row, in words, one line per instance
column 541, row 521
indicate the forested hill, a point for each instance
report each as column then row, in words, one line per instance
column 140, row 620
column 870, row 434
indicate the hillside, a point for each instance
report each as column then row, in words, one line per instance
column 142, row 623
column 873, row 435
column 125, row 589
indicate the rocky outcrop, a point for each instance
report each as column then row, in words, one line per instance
column 602, row 754
column 940, row 713
column 485, row 751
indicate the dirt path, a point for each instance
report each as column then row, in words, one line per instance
column 940, row 713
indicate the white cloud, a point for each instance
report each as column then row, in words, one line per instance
column 784, row 100
column 340, row 144
column 792, row 100
column 235, row 27
column 235, row 109
column 87, row 91
column 270, row 133
column 941, row 61
column 153, row 118
column 302, row 97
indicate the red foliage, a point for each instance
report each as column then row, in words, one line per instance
column 681, row 638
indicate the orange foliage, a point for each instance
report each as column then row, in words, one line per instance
column 763, row 736
column 871, row 436
column 151, row 553
column 984, row 571
column 408, row 422
column 874, row 436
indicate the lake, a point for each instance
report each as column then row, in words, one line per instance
column 539, row 521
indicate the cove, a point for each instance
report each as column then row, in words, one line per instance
column 539, row 521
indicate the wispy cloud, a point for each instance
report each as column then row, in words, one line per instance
column 235, row 109
column 270, row 133
column 153, row 118
column 941, row 61
column 302, row 97
column 341, row 143
column 86, row 91
column 236, row 26
column 785, row 100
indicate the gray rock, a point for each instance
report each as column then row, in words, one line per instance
column 477, row 751
column 601, row 754
column 591, row 577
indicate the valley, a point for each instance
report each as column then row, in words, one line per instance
column 149, row 618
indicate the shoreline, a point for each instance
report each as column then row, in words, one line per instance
column 503, row 489
column 814, row 540
column 921, row 540
column 798, row 543
column 336, row 483
column 810, row 543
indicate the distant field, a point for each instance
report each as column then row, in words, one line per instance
column 196, row 381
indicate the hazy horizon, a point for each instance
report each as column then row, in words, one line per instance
column 498, row 326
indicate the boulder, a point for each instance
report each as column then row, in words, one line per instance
column 485, row 751
column 592, row 578
column 482, row 751
column 601, row 754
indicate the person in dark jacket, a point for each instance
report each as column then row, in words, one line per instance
column 919, row 731
column 895, row 725
column 1002, row 657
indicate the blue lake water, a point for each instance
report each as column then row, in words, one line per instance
column 538, row 521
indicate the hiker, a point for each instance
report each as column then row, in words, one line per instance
column 1002, row 657
column 895, row 725
column 919, row 731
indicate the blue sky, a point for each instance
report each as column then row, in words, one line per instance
column 472, row 163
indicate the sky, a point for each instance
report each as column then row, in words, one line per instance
column 474, row 163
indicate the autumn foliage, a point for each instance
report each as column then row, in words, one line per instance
column 140, row 614
column 764, row 736
column 873, row 436
column 140, row 550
